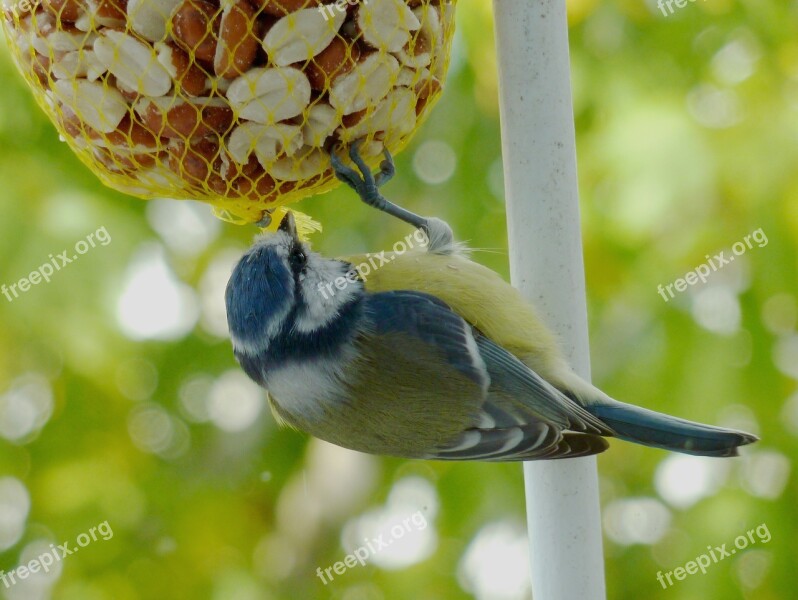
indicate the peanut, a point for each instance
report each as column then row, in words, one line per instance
column 188, row 77
column 65, row 10
column 336, row 59
column 239, row 40
column 177, row 118
column 195, row 26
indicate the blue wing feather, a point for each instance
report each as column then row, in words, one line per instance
column 541, row 411
column 535, row 396
column 432, row 321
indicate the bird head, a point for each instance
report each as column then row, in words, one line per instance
column 280, row 287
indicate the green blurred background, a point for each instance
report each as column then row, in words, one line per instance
column 120, row 399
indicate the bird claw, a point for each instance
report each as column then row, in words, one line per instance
column 367, row 185
column 387, row 169
column 363, row 182
column 349, row 176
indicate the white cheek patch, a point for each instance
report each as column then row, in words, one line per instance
column 305, row 388
column 325, row 289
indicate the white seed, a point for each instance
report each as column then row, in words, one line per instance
column 301, row 35
column 148, row 18
column 100, row 106
column 320, row 122
column 306, row 163
column 416, row 61
column 133, row 63
column 165, row 56
column 429, row 35
column 76, row 64
column 386, row 24
column 85, row 22
column 266, row 141
column 395, row 116
column 270, row 95
column 410, row 77
column 366, row 84
column 63, row 41
column 399, row 110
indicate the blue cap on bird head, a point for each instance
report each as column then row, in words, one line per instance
column 260, row 292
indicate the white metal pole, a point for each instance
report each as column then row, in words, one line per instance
column 539, row 153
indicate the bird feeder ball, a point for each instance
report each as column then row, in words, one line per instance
column 233, row 102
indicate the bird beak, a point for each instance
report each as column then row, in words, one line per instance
column 288, row 225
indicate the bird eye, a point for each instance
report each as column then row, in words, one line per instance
column 298, row 258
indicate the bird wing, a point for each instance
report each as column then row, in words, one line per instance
column 415, row 379
column 430, row 320
column 500, row 426
column 517, row 392
column 532, row 442
column 524, row 417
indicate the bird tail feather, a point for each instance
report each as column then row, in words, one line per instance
column 650, row 428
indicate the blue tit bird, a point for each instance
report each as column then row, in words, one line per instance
column 431, row 356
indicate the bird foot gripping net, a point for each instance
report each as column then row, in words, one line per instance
column 233, row 102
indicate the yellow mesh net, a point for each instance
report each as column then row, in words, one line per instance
column 233, row 102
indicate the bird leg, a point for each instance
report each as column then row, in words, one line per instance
column 367, row 185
